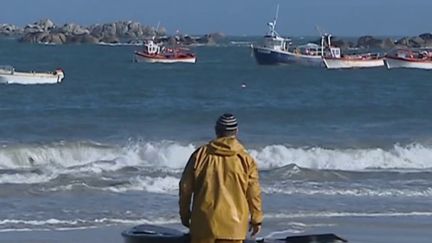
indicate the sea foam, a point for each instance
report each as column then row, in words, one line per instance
column 174, row 155
column 41, row 163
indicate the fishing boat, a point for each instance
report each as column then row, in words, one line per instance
column 338, row 61
column 8, row 75
column 158, row 234
column 278, row 50
column 157, row 53
column 407, row 58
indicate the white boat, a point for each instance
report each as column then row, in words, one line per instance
column 8, row 75
column 406, row 58
column 338, row 61
column 278, row 50
column 156, row 53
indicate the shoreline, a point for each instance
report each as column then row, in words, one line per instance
column 353, row 229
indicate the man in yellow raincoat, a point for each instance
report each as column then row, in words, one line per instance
column 222, row 181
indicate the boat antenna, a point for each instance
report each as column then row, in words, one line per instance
column 272, row 25
column 276, row 16
column 156, row 32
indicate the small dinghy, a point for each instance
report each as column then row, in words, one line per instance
column 157, row 234
column 8, row 75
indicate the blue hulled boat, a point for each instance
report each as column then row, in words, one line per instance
column 278, row 50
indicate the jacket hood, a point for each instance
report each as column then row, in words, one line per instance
column 225, row 146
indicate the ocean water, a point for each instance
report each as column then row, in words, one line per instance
column 344, row 151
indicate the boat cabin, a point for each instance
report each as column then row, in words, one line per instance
column 152, row 48
column 7, row 69
column 276, row 43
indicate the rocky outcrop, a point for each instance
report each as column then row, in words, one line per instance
column 421, row 41
column 9, row 30
column 369, row 42
column 388, row 44
column 46, row 31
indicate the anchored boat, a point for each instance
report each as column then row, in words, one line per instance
column 158, row 234
column 157, row 53
column 407, row 58
column 278, row 50
column 8, row 75
column 338, row 61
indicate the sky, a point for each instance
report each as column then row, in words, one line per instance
column 236, row 17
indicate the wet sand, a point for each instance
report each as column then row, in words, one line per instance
column 354, row 229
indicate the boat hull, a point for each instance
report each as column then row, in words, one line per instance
column 266, row 56
column 404, row 63
column 338, row 63
column 31, row 78
column 140, row 57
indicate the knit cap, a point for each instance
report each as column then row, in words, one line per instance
column 227, row 122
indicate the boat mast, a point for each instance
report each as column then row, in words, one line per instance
column 272, row 25
column 325, row 39
column 276, row 16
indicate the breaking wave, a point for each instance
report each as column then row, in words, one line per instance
column 10, row 225
column 41, row 163
column 174, row 155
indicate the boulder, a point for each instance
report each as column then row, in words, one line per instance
column 74, row 29
column 404, row 41
column 134, row 27
column 340, row 43
column 109, row 29
column 96, row 30
column 161, row 31
column 172, row 41
column 31, row 28
column 53, row 38
column 90, row 39
column 148, row 31
column 8, row 30
column 83, row 39
column 426, row 36
column 217, row 36
column 416, row 42
column 34, row 37
column 388, row 44
column 45, row 24
column 206, row 39
column 187, row 40
column 110, row 39
column 369, row 42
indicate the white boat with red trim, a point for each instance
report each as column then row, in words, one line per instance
column 8, row 75
column 157, row 53
column 407, row 58
column 338, row 61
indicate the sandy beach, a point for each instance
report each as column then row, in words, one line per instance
column 353, row 229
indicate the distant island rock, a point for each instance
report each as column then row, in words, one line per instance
column 370, row 42
column 47, row 32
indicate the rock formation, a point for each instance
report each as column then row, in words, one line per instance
column 46, row 31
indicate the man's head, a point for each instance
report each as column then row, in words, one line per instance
column 226, row 125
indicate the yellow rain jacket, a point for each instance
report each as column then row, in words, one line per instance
column 223, row 180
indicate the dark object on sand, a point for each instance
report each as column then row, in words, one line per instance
column 156, row 234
